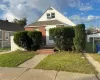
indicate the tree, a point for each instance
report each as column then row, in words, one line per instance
column 90, row 30
column 21, row 22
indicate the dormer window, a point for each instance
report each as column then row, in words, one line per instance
column 50, row 16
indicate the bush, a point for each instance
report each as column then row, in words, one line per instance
column 79, row 40
column 36, row 38
column 22, row 40
column 63, row 37
column 28, row 40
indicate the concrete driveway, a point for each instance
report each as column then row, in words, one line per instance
column 35, row 74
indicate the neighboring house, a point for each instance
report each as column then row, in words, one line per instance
column 50, row 19
column 6, row 30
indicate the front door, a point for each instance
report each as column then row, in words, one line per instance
column 49, row 40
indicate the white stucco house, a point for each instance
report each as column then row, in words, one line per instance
column 51, row 18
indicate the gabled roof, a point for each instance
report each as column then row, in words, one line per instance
column 41, row 23
column 8, row 26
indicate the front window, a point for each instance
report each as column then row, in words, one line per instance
column 7, row 36
column 0, row 35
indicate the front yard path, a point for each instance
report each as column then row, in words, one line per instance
column 34, row 61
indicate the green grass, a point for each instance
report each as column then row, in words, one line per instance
column 5, row 49
column 65, row 61
column 96, row 56
column 15, row 58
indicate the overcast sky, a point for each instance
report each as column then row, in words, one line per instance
column 79, row 11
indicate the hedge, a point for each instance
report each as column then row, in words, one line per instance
column 29, row 40
column 63, row 37
column 80, row 37
column 36, row 38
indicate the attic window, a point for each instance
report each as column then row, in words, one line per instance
column 50, row 16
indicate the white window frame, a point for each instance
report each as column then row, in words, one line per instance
column 6, row 35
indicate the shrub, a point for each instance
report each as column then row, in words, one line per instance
column 63, row 37
column 22, row 40
column 36, row 38
column 28, row 40
column 79, row 40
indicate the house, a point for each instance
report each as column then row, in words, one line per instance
column 6, row 30
column 51, row 18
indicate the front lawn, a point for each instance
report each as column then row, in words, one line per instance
column 65, row 61
column 5, row 49
column 15, row 58
column 96, row 56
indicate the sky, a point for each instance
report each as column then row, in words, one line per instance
column 78, row 11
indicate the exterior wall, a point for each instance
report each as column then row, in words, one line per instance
column 92, row 35
column 48, row 41
column 3, row 42
column 29, row 28
column 14, row 47
column 58, row 16
column 41, row 29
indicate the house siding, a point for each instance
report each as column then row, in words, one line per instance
column 41, row 29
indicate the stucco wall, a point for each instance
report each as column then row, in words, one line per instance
column 14, row 47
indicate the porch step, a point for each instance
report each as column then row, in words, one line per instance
column 47, row 47
column 45, row 51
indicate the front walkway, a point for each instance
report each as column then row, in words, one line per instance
column 34, row 61
column 35, row 74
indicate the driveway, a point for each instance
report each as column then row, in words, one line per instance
column 35, row 74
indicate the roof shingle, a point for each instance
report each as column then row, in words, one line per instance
column 41, row 23
column 5, row 25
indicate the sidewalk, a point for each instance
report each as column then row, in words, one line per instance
column 34, row 61
column 96, row 64
column 36, row 74
column 93, row 62
column 26, row 72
